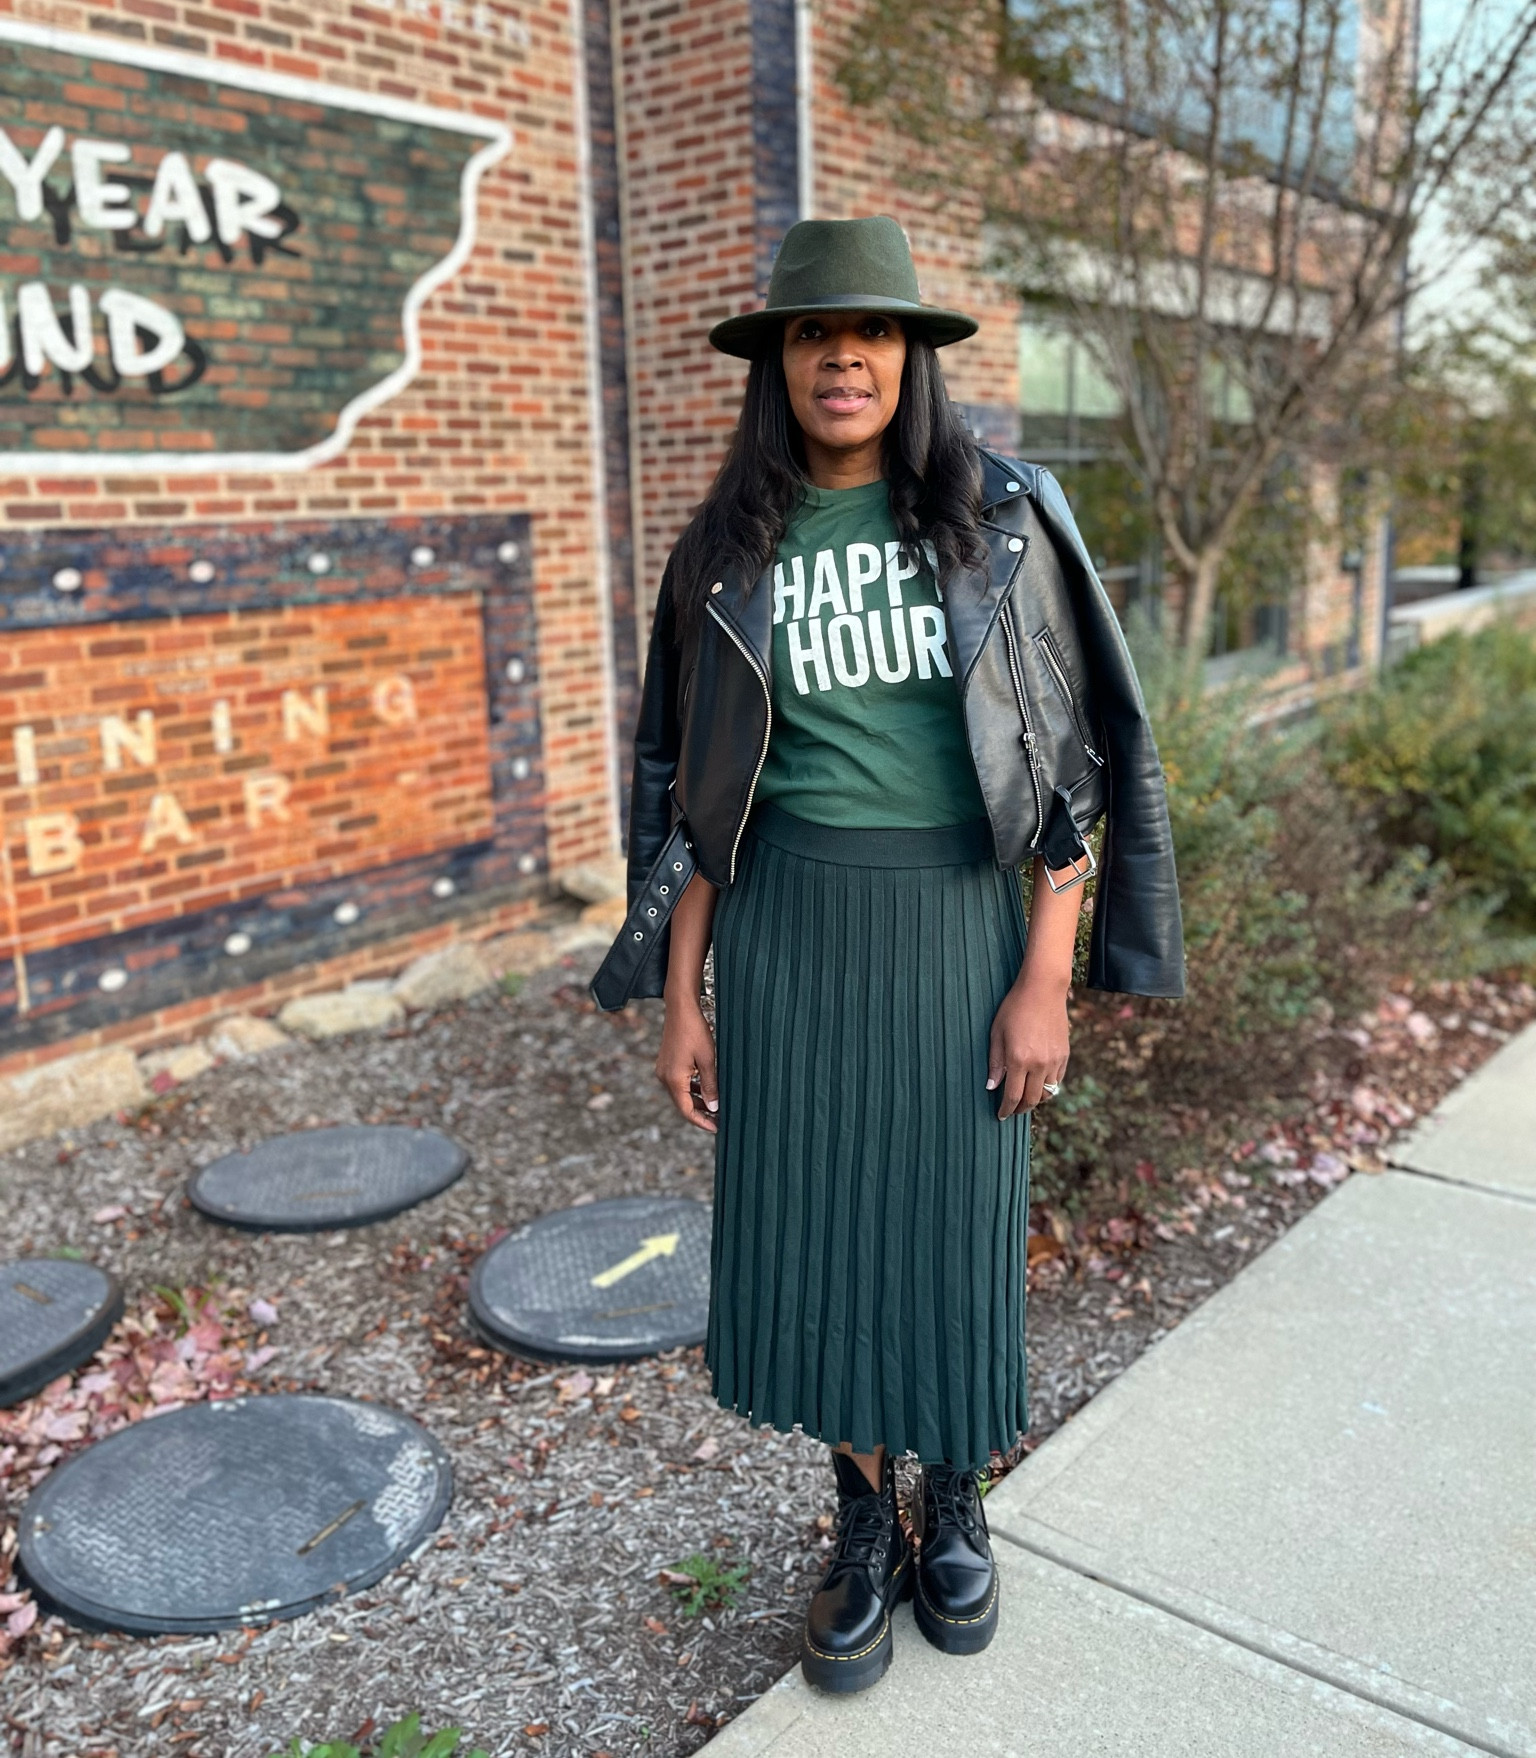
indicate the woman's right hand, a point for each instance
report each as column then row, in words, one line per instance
column 685, row 1064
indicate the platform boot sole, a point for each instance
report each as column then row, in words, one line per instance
column 845, row 1674
column 957, row 1635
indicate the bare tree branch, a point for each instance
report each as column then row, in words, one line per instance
column 1217, row 194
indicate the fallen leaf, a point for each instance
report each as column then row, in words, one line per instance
column 706, row 1449
column 1365, row 1101
column 112, row 1212
column 262, row 1312
column 535, row 1729
column 656, row 1627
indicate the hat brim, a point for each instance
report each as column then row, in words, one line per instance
column 747, row 335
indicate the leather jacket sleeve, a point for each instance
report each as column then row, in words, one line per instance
column 1137, row 942
column 658, row 739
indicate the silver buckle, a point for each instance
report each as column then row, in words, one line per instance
column 1079, row 873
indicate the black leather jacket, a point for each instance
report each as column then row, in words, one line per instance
column 1053, row 712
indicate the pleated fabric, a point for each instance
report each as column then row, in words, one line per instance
column 871, row 1211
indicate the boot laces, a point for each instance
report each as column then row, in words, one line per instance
column 956, row 1497
column 861, row 1524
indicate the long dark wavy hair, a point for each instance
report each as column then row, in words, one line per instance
column 931, row 468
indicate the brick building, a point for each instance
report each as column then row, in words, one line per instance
column 353, row 386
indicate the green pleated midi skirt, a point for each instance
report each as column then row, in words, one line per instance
column 871, row 1211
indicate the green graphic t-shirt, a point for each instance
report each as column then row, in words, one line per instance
column 867, row 726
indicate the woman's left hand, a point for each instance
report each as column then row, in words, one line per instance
column 1029, row 1045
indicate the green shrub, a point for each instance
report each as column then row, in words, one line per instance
column 1442, row 754
column 1291, row 896
column 1296, row 909
column 1069, row 1139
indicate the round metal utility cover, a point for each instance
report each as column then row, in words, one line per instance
column 317, row 1179
column 601, row 1282
column 54, row 1314
column 239, row 1512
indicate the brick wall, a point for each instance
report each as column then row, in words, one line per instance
column 489, row 442
column 711, row 163
column 685, row 86
column 202, row 760
column 497, row 417
column 863, row 168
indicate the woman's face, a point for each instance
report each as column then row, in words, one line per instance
column 843, row 369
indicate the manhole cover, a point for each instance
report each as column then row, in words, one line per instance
column 54, row 1314
column 322, row 1178
column 238, row 1512
column 598, row 1283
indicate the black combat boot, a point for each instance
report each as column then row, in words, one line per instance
column 848, row 1626
column 957, row 1588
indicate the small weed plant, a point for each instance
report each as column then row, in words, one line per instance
column 402, row 1740
column 704, row 1583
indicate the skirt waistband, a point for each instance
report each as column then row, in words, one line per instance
column 951, row 845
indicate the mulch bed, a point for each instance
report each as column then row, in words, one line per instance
column 538, row 1619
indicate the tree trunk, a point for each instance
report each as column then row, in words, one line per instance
column 1199, row 603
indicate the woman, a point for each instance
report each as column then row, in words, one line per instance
column 883, row 676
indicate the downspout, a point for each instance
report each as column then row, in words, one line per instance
column 639, row 560
column 805, row 108
column 596, row 426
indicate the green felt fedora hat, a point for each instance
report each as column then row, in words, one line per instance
column 841, row 265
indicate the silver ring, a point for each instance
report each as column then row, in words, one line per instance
column 1051, row 1088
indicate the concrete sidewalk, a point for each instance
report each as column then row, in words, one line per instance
column 1303, row 1523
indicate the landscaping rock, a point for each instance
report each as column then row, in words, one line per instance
column 337, row 1012
column 243, row 1034
column 161, row 1069
column 519, row 954
column 594, row 881
column 608, row 915
column 68, row 1093
column 453, row 973
column 581, row 936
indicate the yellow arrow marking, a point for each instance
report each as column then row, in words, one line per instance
column 658, row 1245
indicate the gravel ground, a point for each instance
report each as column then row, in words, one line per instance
column 536, row 1620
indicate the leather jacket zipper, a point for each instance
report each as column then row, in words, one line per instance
column 1028, row 740
column 1058, row 671
column 762, row 756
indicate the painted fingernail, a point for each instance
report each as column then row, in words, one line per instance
column 991, row 1083
column 711, row 1104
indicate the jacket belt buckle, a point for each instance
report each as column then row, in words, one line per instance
column 1082, row 868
